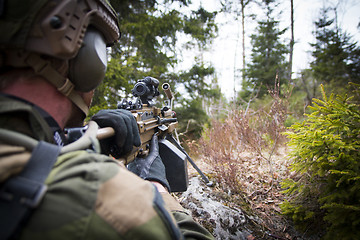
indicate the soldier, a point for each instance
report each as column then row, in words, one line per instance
column 52, row 57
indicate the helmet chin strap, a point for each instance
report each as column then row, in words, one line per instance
column 63, row 84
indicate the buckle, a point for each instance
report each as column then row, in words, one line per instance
column 34, row 202
column 24, row 191
column 66, row 88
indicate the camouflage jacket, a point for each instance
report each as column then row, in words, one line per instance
column 90, row 196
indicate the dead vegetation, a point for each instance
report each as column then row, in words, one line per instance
column 246, row 155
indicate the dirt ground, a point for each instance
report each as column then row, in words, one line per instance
column 253, row 212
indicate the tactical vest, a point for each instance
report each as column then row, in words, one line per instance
column 26, row 158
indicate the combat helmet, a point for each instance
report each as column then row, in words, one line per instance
column 62, row 40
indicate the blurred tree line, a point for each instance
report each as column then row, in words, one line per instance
column 150, row 32
column 323, row 197
column 336, row 60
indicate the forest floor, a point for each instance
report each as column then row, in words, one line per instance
column 251, row 213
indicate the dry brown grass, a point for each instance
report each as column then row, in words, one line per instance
column 247, row 156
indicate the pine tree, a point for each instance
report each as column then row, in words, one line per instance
column 149, row 33
column 202, row 93
column 268, row 55
column 336, row 57
column 325, row 192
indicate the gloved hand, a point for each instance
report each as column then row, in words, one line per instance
column 151, row 167
column 126, row 131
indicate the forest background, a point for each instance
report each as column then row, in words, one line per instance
column 240, row 137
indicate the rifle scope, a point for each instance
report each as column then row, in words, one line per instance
column 146, row 89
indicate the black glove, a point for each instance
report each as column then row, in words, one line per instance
column 126, row 131
column 151, row 167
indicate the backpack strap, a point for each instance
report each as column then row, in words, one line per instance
column 21, row 194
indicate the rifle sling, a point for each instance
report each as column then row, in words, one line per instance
column 21, row 194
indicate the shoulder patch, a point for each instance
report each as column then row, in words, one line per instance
column 125, row 201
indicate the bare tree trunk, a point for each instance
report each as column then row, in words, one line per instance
column 235, row 69
column 243, row 5
column 308, row 95
column 292, row 40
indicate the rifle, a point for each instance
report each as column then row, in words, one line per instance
column 150, row 120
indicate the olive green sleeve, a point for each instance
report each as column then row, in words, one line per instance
column 189, row 228
column 90, row 196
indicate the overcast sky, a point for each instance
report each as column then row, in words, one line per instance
column 226, row 51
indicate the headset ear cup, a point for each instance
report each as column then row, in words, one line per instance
column 88, row 68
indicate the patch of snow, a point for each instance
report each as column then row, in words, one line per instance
column 226, row 222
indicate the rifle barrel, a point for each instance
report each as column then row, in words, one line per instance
column 167, row 90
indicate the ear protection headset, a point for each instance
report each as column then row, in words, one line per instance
column 87, row 69
column 73, row 31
